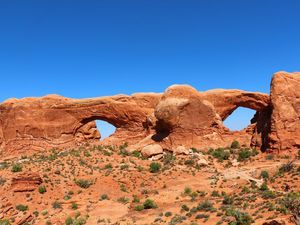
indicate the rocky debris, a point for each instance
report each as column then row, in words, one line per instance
column 285, row 118
column 273, row 222
column 151, row 150
column 25, row 219
column 157, row 157
column 181, row 150
column 26, row 182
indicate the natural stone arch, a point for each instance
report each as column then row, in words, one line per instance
column 226, row 101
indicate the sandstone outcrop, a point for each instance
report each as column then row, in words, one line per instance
column 285, row 118
column 26, row 182
column 54, row 121
column 195, row 119
column 181, row 116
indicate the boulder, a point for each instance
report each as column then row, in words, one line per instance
column 151, row 150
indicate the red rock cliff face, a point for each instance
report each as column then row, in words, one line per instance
column 180, row 116
column 285, row 119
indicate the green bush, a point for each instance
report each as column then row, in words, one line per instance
column 227, row 200
column 187, row 190
column 136, row 154
column 286, row 167
column 149, row 204
column 56, row 205
column 264, row 174
column 268, row 194
column 155, row 167
column 4, row 222
column 244, row 154
column 206, row 206
column 264, row 187
column 185, row 208
column 16, row 168
column 235, row 144
column 139, row 208
column 221, row 154
column 168, row 214
column 83, row 183
column 104, row 197
column 241, row 218
column 74, row 205
column 22, row 207
column 69, row 221
column 42, row 189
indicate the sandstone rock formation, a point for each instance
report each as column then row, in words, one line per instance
column 195, row 119
column 285, row 119
column 54, row 121
column 26, row 182
column 182, row 116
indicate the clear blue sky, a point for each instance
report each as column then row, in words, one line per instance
column 93, row 48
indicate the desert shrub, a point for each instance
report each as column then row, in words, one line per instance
column 69, row 221
column 189, row 162
column 42, row 189
column 215, row 193
column 83, row 183
column 104, row 197
column 168, row 159
column 268, row 194
column 286, row 167
column 4, row 222
column 177, row 219
column 124, row 167
column 241, row 218
column 56, row 205
column 264, row 174
column 123, row 150
column 228, row 200
column 270, row 157
column 206, row 206
column 2, row 181
column 139, row 208
column 136, row 154
column 185, row 208
column 187, row 191
column 235, row 144
column 16, row 168
column 244, row 154
column 202, row 216
column 291, row 202
column 35, row 213
column 108, row 166
column 155, row 167
column 264, row 187
column 168, row 214
column 149, row 204
column 221, row 154
column 74, row 205
column 123, row 200
column 22, row 207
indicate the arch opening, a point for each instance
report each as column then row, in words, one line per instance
column 239, row 119
column 106, row 129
